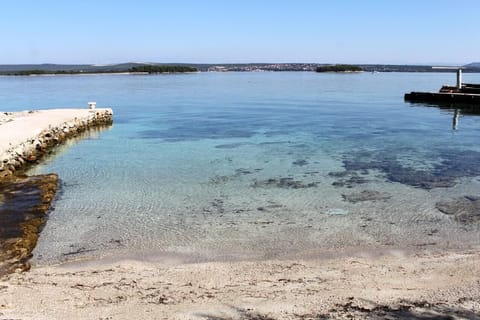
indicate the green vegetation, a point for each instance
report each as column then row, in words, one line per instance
column 26, row 72
column 115, row 69
column 162, row 69
column 339, row 68
column 52, row 72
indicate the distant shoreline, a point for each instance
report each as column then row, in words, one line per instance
column 197, row 72
column 155, row 68
column 94, row 74
column 28, row 70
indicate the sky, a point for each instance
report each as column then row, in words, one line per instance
column 240, row 31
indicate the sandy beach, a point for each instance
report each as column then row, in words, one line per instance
column 396, row 285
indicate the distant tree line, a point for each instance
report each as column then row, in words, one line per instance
column 52, row 72
column 339, row 68
column 48, row 72
column 26, row 72
column 143, row 68
column 162, row 69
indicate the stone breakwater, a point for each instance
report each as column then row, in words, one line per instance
column 25, row 201
column 18, row 156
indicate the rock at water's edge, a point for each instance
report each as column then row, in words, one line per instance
column 24, row 203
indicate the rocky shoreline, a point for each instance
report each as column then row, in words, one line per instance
column 25, row 137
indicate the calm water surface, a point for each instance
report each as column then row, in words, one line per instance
column 215, row 166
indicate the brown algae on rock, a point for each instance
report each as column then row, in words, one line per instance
column 23, row 209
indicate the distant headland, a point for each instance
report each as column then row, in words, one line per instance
column 59, row 69
column 157, row 68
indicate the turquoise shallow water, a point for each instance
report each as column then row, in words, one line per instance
column 254, row 165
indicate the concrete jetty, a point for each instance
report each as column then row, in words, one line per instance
column 443, row 97
column 26, row 136
column 25, row 200
column 461, row 93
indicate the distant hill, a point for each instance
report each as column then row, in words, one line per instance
column 38, row 69
column 475, row 65
column 46, row 67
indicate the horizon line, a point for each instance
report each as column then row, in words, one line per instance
column 229, row 63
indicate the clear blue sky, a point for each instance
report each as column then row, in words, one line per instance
column 340, row 31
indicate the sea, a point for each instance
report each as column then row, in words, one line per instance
column 256, row 165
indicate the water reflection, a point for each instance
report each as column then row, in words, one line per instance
column 456, row 109
column 455, row 119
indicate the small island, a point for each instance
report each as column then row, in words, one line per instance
column 339, row 68
column 162, row 69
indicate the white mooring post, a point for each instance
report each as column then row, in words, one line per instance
column 92, row 105
column 459, row 78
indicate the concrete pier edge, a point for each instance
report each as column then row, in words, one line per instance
column 18, row 157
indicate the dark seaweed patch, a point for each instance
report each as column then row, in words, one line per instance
column 465, row 210
column 365, row 195
column 230, row 145
column 243, row 171
column 23, row 212
column 347, row 179
column 300, row 146
column 272, row 143
column 220, row 179
column 450, row 165
column 300, row 162
column 414, row 310
column 288, row 183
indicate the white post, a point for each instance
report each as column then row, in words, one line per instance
column 92, row 105
column 459, row 78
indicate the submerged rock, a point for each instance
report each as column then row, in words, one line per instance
column 451, row 165
column 465, row 209
column 300, row 162
column 284, row 183
column 347, row 179
column 24, row 203
column 365, row 195
column 230, row 145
